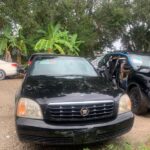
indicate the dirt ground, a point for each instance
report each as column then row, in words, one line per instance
column 8, row 140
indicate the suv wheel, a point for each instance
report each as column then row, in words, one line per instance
column 2, row 75
column 138, row 99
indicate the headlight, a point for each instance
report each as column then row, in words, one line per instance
column 124, row 104
column 28, row 108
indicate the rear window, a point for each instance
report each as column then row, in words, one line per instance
column 62, row 66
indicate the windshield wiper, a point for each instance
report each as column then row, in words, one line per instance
column 71, row 75
column 42, row 76
column 61, row 76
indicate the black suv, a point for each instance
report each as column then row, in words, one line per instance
column 131, row 72
column 64, row 101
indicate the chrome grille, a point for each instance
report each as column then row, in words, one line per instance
column 71, row 111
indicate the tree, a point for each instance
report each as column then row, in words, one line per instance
column 137, row 33
column 55, row 40
column 96, row 22
column 9, row 42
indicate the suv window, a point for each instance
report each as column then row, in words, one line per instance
column 103, row 61
column 139, row 61
column 62, row 66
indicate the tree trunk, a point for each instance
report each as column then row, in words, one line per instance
column 8, row 57
column 49, row 50
column 19, row 59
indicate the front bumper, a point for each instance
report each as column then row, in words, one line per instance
column 40, row 132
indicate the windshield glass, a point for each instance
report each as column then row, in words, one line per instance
column 140, row 61
column 62, row 66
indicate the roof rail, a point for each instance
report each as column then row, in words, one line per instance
column 124, row 52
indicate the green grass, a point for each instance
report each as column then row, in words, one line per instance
column 121, row 146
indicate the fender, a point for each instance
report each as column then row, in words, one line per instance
column 131, row 85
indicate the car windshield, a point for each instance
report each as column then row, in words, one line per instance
column 140, row 61
column 62, row 66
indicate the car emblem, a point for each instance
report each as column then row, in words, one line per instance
column 84, row 111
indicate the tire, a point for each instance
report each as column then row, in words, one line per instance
column 138, row 100
column 2, row 75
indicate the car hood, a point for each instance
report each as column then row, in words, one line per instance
column 68, row 88
column 146, row 74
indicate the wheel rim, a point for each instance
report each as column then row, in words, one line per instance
column 1, row 75
column 135, row 98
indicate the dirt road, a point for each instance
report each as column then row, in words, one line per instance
column 8, row 139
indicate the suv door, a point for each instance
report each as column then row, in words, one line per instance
column 103, row 62
column 104, row 67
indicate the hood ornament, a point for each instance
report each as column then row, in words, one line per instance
column 84, row 111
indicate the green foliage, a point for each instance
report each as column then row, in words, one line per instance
column 96, row 22
column 121, row 146
column 8, row 41
column 55, row 40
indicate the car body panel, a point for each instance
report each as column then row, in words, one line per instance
column 59, row 87
column 8, row 68
column 39, row 131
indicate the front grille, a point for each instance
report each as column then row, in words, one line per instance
column 71, row 112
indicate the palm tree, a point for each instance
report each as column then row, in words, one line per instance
column 75, row 44
column 6, row 41
column 20, row 46
column 56, row 40
column 9, row 42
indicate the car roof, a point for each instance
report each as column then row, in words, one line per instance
column 54, row 55
column 126, row 53
column 47, row 54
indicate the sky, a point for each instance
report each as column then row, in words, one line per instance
column 117, row 44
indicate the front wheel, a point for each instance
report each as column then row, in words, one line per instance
column 2, row 75
column 138, row 100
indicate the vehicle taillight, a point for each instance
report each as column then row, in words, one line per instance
column 14, row 65
column 29, row 63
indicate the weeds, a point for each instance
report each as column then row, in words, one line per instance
column 121, row 146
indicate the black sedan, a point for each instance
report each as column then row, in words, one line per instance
column 64, row 101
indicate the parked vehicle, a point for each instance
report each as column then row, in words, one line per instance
column 23, row 68
column 7, row 69
column 64, row 101
column 96, row 61
column 33, row 56
column 131, row 72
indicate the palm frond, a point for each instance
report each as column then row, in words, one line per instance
column 60, row 49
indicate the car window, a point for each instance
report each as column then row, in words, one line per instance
column 138, row 61
column 61, row 66
column 103, row 61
